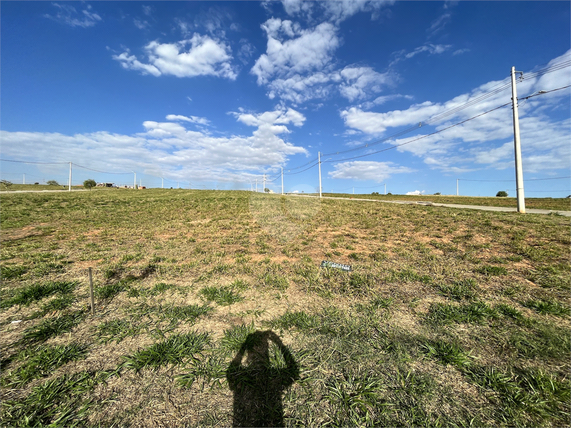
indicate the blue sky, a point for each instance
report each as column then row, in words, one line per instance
column 217, row 94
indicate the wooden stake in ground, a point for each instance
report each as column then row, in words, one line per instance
column 91, row 292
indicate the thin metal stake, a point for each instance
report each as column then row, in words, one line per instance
column 91, row 292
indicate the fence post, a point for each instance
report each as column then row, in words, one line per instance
column 91, row 292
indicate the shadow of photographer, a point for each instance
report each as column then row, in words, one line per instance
column 258, row 383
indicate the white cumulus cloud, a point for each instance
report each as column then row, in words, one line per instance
column 169, row 147
column 367, row 170
column 197, row 56
column 292, row 50
column 191, row 119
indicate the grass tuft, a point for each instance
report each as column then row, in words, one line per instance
column 174, row 350
column 117, row 330
column 459, row 290
column 492, row 270
column 476, row 312
column 235, row 336
column 35, row 292
column 223, row 296
column 547, row 307
column 51, row 327
column 42, row 360
column 56, row 402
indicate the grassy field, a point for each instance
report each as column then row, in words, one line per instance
column 212, row 310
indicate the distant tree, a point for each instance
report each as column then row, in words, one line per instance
column 89, row 183
column 52, row 183
column 267, row 190
column 438, row 194
column 389, row 194
column 5, row 184
column 502, row 194
column 375, row 193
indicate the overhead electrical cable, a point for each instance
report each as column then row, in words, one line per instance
column 102, row 172
column 421, row 137
column 37, row 163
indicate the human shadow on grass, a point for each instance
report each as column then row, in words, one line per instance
column 259, row 381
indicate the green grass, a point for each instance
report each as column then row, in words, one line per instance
column 174, row 350
column 56, row 402
column 117, row 330
column 449, row 317
column 36, row 292
column 549, row 306
column 475, row 312
column 42, row 360
column 235, row 336
column 223, row 296
column 52, row 327
column 459, row 290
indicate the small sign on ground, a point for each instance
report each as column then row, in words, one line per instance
column 336, row 265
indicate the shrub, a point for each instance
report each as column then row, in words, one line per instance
column 52, row 183
column 502, row 194
column 89, row 183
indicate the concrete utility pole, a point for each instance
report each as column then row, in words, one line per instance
column 24, row 179
column 162, row 183
column 517, row 148
column 256, row 185
column 264, row 187
column 282, row 181
column 385, row 188
column 70, row 176
column 319, row 160
column 134, row 180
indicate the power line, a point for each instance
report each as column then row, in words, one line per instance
column 530, row 179
column 102, row 172
column 421, row 137
column 32, row 162
column 495, row 90
column 543, row 92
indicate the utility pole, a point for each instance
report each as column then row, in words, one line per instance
column 162, row 183
column 264, row 187
column 256, row 185
column 319, row 159
column 457, row 193
column 282, row 180
column 24, row 179
column 134, row 180
column 517, row 148
column 70, row 176
column 385, row 188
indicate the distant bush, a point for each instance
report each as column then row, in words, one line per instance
column 437, row 194
column 52, row 183
column 375, row 193
column 502, row 194
column 5, row 184
column 89, row 183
